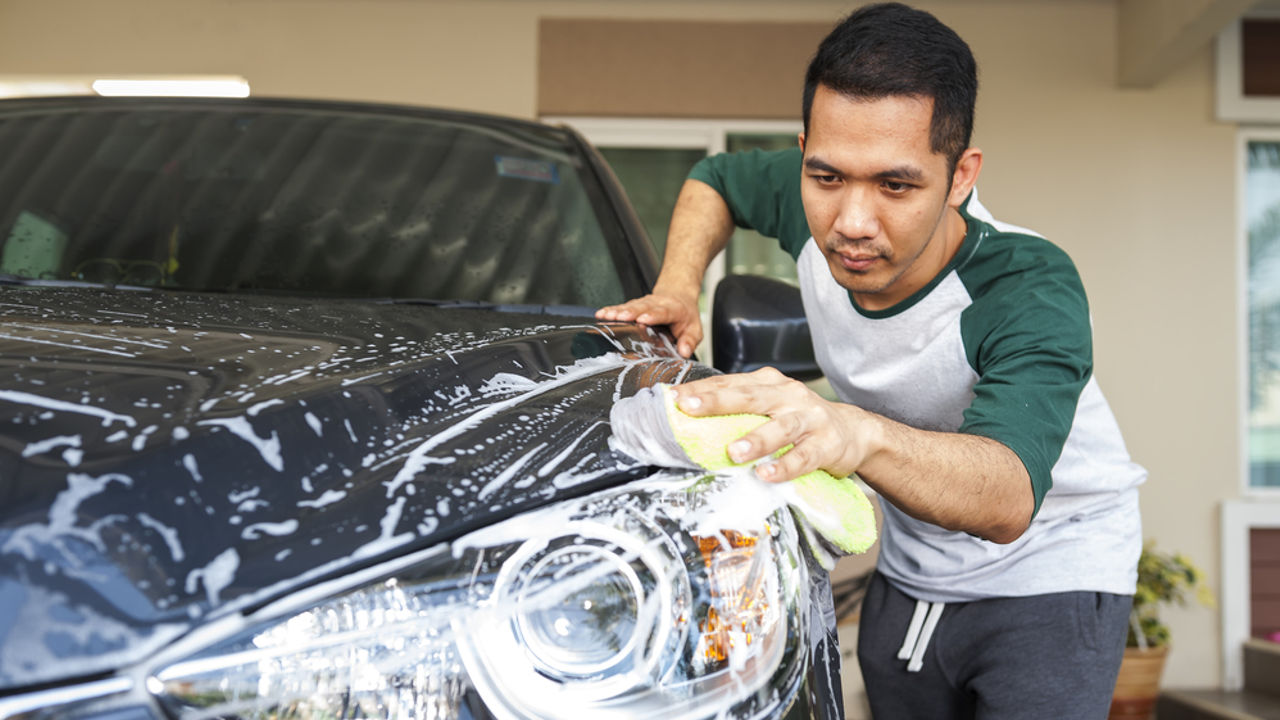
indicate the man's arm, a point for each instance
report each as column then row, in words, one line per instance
column 956, row 481
column 700, row 228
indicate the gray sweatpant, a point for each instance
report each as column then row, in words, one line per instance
column 1041, row 656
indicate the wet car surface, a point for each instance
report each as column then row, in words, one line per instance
column 304, row 415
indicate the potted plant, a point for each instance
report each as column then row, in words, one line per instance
column 1163, row 579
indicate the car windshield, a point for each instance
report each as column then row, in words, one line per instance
column 298, row 198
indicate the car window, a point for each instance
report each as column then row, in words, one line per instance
column 304, row 200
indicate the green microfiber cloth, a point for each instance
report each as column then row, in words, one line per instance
column 650, row 427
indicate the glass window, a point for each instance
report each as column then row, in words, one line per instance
column 1262, row 218
column 652, row 178
column 749, row 252
column 295, row 199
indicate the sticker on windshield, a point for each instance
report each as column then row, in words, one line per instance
column 525, row 169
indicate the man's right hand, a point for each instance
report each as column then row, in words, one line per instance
column 678, row 313
column 700, row 228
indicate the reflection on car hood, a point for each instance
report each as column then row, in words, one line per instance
column 166, row 458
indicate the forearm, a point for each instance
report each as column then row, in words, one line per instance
column 956, row 481
column 700, row 228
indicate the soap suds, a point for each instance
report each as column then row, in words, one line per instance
column 268, row 448
column 217, row 575
column 107, row 416
column 641, row 430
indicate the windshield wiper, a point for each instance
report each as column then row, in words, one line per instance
column 528, row 309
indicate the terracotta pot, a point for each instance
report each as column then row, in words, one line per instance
column 1138, row 684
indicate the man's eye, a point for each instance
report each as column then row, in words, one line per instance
column 896, row 188
column 825, row 179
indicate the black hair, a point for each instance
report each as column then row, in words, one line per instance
column 890, row 49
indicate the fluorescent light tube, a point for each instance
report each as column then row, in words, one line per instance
column 18, row 87
column 229, row 87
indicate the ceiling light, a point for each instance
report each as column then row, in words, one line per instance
column 177, row 86
column 15, row 87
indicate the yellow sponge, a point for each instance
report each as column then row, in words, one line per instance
column 836, row 508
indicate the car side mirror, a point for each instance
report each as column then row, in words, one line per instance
column 759, row 321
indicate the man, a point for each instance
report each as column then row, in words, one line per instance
column 961, row 351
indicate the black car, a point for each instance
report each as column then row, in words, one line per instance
column 304, row 414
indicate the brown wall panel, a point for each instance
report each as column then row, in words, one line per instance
column 1260, row 42
column 1266, row 618
column 1264, row 546
column 1264, row 581
column 660, row 68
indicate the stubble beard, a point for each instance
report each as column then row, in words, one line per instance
column 860, row 282
column 865, row 282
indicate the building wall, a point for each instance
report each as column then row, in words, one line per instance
column 1138, row 185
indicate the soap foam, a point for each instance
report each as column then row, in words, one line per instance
column 641, row 430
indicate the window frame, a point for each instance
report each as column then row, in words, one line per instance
column 1244, row 136
column 1231, row 104
column 1257, row 507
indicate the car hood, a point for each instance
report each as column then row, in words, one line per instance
column 168, row 458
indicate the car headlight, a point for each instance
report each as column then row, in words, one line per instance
column 630, row 603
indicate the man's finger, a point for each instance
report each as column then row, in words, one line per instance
column 688, row 335
column 612, row 312
column 729, row 394
column 630, row 311
column 790, row 466
column 786, row 429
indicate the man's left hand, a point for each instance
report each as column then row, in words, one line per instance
column 823, row 434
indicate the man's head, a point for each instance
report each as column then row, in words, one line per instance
column 887, row 163
column 889, row 50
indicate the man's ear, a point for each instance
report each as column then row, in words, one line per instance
column 800, row 137
column 965, row 176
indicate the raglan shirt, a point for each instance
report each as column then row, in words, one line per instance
column 998, row 344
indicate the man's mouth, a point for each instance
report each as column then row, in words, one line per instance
column 858, row 262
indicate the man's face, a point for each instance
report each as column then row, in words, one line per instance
column 877, row 196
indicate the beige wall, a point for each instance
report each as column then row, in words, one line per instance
column 1138, row 185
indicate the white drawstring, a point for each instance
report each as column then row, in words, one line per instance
column 913, row 631
column 919, row 631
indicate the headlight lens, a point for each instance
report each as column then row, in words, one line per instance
column 630, row 604
column 583, row 630
column 596, row 602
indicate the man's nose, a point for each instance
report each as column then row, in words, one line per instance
column 856, row 217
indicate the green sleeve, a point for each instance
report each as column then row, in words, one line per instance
column 1028, row 337
column 762, row 189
